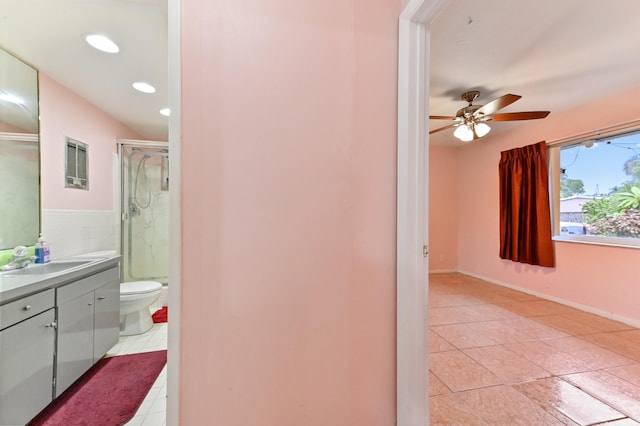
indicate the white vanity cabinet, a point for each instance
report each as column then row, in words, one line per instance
column 88, row 324
column 27, row 342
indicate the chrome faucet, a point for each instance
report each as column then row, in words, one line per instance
column 20, row 259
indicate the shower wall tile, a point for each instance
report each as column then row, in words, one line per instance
column 73, row 232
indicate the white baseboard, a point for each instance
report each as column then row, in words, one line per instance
column 610, row 315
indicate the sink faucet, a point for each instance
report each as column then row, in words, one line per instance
column 19, row 259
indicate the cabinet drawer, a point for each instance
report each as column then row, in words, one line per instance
column 78, row 288
column 19, row 310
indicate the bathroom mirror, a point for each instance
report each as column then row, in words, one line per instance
column 19, row 153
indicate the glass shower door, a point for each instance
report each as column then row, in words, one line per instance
column 145, row 213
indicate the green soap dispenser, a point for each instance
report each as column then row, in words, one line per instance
column 43, row 253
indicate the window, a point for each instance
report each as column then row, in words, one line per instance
column 77, row 160
column 596, row 189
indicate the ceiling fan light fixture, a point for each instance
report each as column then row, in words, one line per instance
column 470, row 121
column 102, row 43
column 482, row 129
column 464, row 133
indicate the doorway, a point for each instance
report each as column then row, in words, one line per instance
column 412, row 229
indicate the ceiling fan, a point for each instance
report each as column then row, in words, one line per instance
column 470, row 121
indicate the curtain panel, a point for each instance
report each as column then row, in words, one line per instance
column 525, row 215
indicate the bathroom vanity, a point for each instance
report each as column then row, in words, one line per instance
column 56, row 321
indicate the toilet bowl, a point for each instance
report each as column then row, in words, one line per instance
column 135, row 299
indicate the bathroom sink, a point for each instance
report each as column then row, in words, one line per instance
column 48, row 268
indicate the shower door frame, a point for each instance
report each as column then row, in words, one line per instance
column 124, row 211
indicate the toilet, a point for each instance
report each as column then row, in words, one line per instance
column 135, row 299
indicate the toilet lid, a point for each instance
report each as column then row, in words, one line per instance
column 136, row 287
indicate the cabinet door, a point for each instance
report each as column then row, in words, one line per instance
column 107, row 319
column 75, row 340
column 26, row 368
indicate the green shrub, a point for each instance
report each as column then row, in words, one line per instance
column 599, row 208
column 626, row 224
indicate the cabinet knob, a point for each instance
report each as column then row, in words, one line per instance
column 90, row 303
column 51, row 325
column 26, row 308
column 101, row 298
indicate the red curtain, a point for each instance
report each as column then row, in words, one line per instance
column 525, row 216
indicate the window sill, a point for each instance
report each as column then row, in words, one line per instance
column 600, row 241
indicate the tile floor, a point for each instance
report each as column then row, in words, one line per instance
column 497, row 357
column 153, row 410
column 501, row 357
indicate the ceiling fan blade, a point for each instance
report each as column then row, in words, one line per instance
column 441, row 117
column 513, row 116
column 443, row 128
column 497, row 104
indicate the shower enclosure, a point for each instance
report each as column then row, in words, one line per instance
column 145, row 211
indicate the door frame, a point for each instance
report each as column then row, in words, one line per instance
column 175, row 205
column 412, row 211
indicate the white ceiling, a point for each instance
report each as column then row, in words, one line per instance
column 49, row 34
column 555, row 53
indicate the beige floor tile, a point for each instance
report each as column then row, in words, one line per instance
column 438, row 344
column 448, row 300
column 449, row 315
column 595, row 321
column 533, row 329
column 615, row 343
column 630, row 373
column 515, row 295
column 612, row 390
column 594, row 356
column 490, row 312
column 631, row 335
column 623, row 422
column 506, row 364
column 503, row 405
column 462, row 336
column 502, row 357
column 459, row 372
column 567, row 325
column 500, row 332
column 436, row 387
column 551, row 359
column 541, row 307
column 450, row 410
column 562, row 399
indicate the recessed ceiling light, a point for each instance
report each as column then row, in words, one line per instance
column 165, row 111
column 144, row 87
column 102, row 43
column 11, row 98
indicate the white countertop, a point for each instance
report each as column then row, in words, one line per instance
column 20, row 285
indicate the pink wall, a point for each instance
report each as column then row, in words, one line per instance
column 598, row 277
column 63, row 113
column 288, row 212
column 443, row 205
